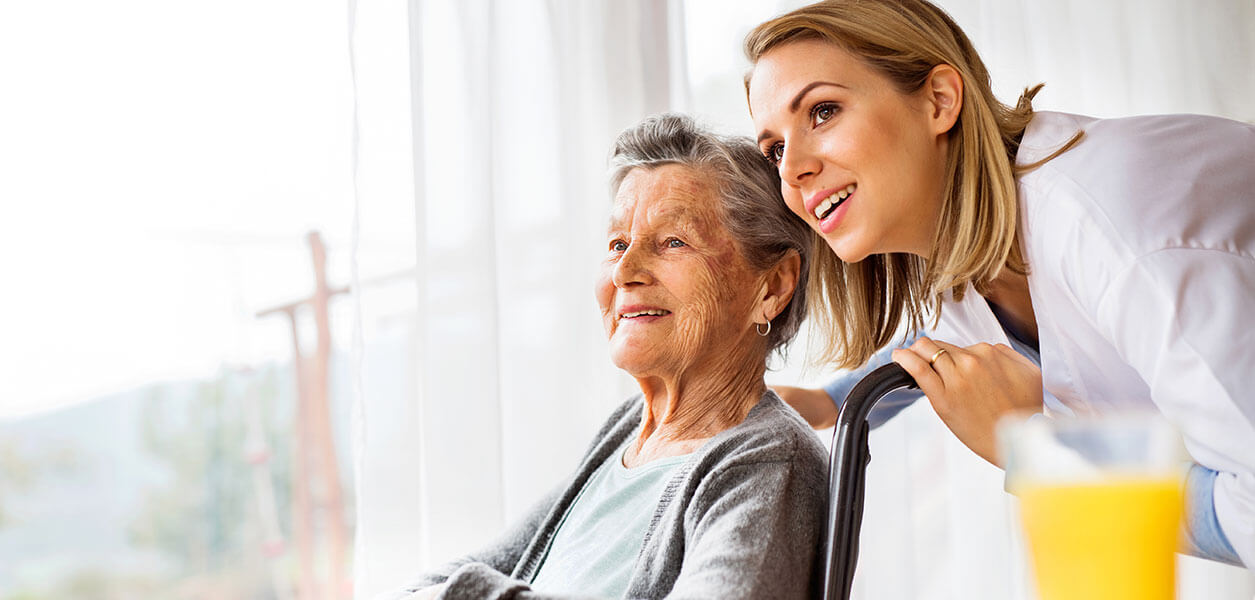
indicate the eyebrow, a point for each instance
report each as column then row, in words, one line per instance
column 686, row 219
column 797, row 101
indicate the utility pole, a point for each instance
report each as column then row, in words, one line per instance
column 317, row 496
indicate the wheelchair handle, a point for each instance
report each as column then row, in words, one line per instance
column 847, row 471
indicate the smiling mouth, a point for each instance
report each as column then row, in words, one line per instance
column 831, row 203
column 645, row 313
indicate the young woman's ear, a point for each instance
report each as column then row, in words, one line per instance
column 944, row 93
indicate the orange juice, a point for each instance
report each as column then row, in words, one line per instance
column 1108, row 540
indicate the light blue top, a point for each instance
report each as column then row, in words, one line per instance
column 596, row 545
column 1203, row 536
column 891, row 404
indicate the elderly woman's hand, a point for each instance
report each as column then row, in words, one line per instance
column 973, row 388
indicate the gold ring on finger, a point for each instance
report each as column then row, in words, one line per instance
column 936, row 355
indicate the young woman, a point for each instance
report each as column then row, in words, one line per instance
column 1117, row 256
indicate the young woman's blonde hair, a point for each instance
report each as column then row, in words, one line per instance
column 861, row 306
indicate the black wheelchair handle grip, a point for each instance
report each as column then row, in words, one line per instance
column 869, row 390
column 847, row 472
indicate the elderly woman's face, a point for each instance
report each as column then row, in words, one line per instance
column 674, row 288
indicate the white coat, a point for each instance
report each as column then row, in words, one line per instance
column 1140, row 242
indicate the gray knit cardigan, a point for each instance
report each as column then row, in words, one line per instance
column 741, row 518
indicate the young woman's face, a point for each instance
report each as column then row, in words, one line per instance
column 859, row 160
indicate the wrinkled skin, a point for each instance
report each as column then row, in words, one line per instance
column 700, row 365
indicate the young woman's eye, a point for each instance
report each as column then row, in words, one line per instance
column 618, row 246
column 774, row 153
column 823, row 112
column 675, row 243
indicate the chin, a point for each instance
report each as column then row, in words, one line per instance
column 631, row 358
column 848, row 250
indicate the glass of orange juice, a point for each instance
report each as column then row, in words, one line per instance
column 1101, row 501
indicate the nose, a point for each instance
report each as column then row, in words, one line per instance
column 799, row 162
column 633, row 267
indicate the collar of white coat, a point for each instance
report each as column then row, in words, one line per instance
column 969, row 320
column 1046, row 133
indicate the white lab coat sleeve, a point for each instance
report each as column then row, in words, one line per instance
column 1184, row 319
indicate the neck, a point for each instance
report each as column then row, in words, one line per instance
column 1010, row 295
column 704, row 398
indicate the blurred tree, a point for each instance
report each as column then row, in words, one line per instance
column 205, row 519
column 16, row 474
column 20, row 470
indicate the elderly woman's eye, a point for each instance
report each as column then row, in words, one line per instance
column 618, row 246
column 823, row 112
column 675, row 243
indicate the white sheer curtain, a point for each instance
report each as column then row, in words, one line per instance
column 515, row 104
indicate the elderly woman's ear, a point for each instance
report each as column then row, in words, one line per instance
column 778, row 285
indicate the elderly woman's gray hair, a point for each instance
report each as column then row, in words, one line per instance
column 748, row 187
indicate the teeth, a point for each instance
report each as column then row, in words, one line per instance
column 652, row 313
column 824, row 207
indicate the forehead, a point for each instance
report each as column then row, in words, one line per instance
column 665, row 194
column 785, row 70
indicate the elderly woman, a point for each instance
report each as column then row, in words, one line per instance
column 706, row 484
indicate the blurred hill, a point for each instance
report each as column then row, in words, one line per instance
column 149, row 493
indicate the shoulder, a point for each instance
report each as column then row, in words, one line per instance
column 770, row 463
column 1141, row 161
column 1135, row 186
column 628, row 413
column 1182, row 140
column 772, row 436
